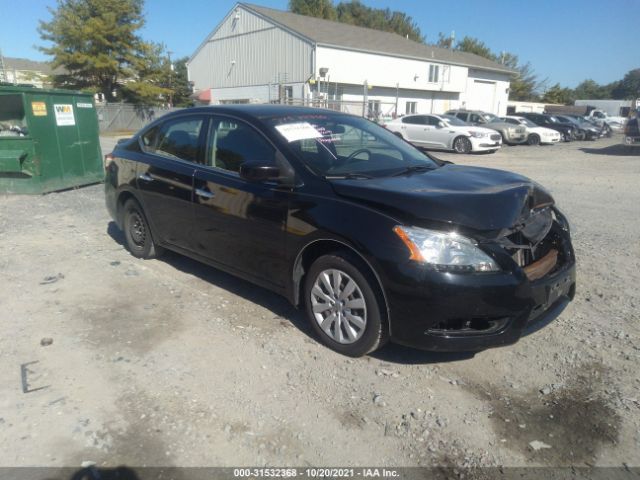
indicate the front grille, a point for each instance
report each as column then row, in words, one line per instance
column 537, row 245
column 495, row 136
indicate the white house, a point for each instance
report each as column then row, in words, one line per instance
column 259, row 55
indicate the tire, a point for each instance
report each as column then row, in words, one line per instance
column 398, row 134
column 335, row 323
column 533, row 139
column 461, row 145
column 581, row 135
column 137, row 233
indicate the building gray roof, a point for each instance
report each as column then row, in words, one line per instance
column 25, row 65
column 343, row 35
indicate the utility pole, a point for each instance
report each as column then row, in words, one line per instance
column 169, row 52
column 3, row 73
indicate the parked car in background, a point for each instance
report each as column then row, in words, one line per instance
column 584, row 130
column 472, row 117
column 511, row 134
column 373, row 238
column 446, row 133
column 536, row 134
column 566, row 130
column 632, row 132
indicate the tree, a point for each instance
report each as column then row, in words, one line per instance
column 95, row 41
column 313, row 8
column 589, row 89
column 557, row 94
column 355, row 13
column 525, row 86
column 180, row 84
column 149, row 82
column 445, row 41
column 629, row 86
column 473, row 45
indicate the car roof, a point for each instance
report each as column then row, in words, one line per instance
column 260, row 111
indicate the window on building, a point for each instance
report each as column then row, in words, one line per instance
column 373, row 109
column 411, row 107
column 434, row 73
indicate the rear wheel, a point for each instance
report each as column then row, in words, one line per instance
column 398, row 134
column 462, row 145
column 533, row 139
column 137, row 233
column 344, row 309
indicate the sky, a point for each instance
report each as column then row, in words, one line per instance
column 566, row 41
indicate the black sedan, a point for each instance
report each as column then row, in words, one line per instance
column 375, row 239
column 567, row 130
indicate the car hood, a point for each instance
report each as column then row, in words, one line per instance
column 482, row 199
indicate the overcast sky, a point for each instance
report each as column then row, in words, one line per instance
column 565, row 41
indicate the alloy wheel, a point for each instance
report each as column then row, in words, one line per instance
column 339, row 306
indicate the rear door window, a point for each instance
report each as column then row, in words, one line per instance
column 415, row 120
column 176, row 138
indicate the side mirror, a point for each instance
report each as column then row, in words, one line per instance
column 440, row 125
column 259, row 172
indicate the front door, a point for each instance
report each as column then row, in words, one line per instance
column 239, row 224
column 166, row 182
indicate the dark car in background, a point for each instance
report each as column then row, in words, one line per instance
column 585, row 130
column 567, row 130
column 375, row 239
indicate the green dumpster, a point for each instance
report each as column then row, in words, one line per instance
column 48, row 140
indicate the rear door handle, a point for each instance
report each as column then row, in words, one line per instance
column 204, row 193
column 146, row 177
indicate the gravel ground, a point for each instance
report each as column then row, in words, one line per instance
column 119, row 361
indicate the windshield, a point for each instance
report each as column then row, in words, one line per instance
column 455, row 121
column 336, row 145
column 527, row 122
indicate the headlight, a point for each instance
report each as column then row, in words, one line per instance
column 445, row 251
column 478, row 134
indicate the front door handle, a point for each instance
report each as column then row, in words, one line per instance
column 146, row 177
column 204, row 193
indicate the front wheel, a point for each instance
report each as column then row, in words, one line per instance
column 581, row 135
column 344, row 309
column 137, row 233
column 462, row 145
column 533, row 139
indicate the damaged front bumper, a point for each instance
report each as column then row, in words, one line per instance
column 441, row 311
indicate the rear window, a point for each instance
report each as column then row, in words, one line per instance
column 176, row 138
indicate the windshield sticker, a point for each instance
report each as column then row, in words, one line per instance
column 298, row 131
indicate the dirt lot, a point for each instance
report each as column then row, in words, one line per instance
column 168, row 362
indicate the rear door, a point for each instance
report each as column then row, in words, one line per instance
column 240, row 224
column 415, row 129
column 173, row 150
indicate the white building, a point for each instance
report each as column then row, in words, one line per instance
column 258, row 55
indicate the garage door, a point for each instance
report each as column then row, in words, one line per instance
column 481, row 96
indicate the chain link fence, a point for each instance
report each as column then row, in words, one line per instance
column 116, row 117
